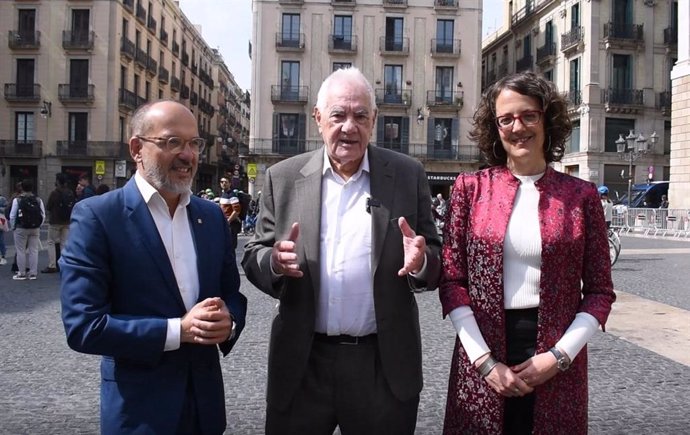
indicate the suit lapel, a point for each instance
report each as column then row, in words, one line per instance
column 382, row 184
column 201, row 239
column 146, row 232
column 308, row 191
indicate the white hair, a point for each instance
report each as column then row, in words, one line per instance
column 345, row 74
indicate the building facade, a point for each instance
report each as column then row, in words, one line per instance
column 680, row 124
column 74, row 72
column 613, row 61
column 421, row 56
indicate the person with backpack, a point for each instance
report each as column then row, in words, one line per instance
column 60, row 203
column 26, row 216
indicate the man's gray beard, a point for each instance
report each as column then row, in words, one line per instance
column 158, row 178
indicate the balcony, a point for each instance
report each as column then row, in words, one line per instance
column 194, row 98
column 502, row 69
column 95, row 149
column 343, row 3
column 573, row 98
column 394, row 46
column 671, row 35
column 127, row 100
column 195, row 69
column 163, row 37
column 546, row 54
column 623, row 35
column 70, row 93
column 77, row 40
column 573, row 40
column 663, row 103
column 15, row 93
column 151, row 24
column 176, row 49
column 289, row 41
column 163, row 74
column 21, row 148
column 184, row 92
column 129, row 5
column 127, row 48
column 445, row 99
column 289, row 94
column 342, row 44
column 23, row 40
column 391, row 97
column 141, row 58
column 291, row 2
column 446, row 5
column 445, row 48
column 141, row 13
column 151, row 66
column 524, row 63
column 286, row 146
column 395, row 4
column 175, row 84
column 185, row 58
column 622, row 100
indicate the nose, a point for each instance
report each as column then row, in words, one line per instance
column 518, row 125
column 187, row 152
column 348, row 125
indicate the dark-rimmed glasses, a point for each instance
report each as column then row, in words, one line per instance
column 527, row 118
column 176, row 145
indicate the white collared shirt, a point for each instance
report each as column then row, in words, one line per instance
column 176, row 234
column 345, row 302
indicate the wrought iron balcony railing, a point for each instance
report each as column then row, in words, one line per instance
column 394, row 45
column 627, row 97
column 175, row 84
column 163, row 36
column 184, row 92
column 151, row 24
column 445, row 97
column 625, row 31
column 572, row 38
column 176, row 48
column 151, row 66
column 289, row 94
column 127, row 48
column 141, row 58
column 394, row 3
column 671, row 35
column 445, row 47
column 185, row 58
column 342, row 43
column 546, row 52
column 141, row 13
column 446, row 4
column 664, row 102
column 289, row 41
column 84, row 148
column 70, row 93
column 78, row 39
column 573, row 98
column 393, row 96
column 21, row 148
column 129, row 5
column 194, row 98
column 23, row 40
column 22, row 93
column 127, row 99
column 524, row 63
column 163, row 74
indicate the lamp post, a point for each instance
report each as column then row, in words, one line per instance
column 630, row 149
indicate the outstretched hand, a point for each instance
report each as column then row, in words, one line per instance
column 284, row 256
column 414, row 247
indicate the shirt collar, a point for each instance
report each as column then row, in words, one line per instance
column 148, row 191
column 363, row 167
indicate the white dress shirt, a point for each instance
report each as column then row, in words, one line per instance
column 345, row 302
column 176, row 235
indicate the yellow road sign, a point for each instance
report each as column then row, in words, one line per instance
column 99, row 167
column 251, row 170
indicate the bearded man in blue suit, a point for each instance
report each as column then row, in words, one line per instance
column 150, row 282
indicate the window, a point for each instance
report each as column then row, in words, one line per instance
column 342, row 32
column 622, row 12
column 548, row 33
column 78, row 127
column 290, row 31
column 444, row 36
column 341, row 65
column 25, row 78
column 136, row 84
column 394, row 34
column 122, row 129
column 79, row 78
column 147, row 91
column 24, row 127
column 526, row 46
column 27, row 26
column 614, row 128
column 123, row 77
column 574, row 76
column 80, row 25
column 667, row 139
column 444, row 84
column 574, row 145
column 392, row 83
column 393, row 133
column 125, row 28
column 137, row 40
column 548, row 75
column 622, row 72
column 575, row 16
column 289, row 87
column 289, row 131
column 442, row 134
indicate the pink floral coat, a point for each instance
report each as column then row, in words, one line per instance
column 575, row 277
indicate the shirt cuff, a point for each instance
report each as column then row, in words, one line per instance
column 172, row 336
column 470, row 336
column 422, row 272
column 578, row 334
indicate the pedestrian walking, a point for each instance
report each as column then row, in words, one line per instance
column 149, row 282
column 4, row 228
column 344, row 238
column 60, row 204
column 526, row 275
column 26, row 216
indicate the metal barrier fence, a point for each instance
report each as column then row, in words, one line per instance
column 652, row 221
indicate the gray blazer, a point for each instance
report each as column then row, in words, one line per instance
column 292, row 193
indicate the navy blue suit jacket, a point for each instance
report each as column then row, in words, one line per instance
column 119, row 289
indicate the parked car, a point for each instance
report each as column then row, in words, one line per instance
column 645, row 195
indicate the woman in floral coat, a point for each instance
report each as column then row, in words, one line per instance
column 526, row 273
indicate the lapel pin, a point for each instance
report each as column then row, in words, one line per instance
column 198, row 221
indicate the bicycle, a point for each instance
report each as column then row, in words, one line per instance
column 614, row 245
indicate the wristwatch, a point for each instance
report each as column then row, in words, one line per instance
column 562, row 359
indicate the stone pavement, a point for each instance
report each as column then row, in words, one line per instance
column 48, row 389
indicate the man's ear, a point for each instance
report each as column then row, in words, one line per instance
column 135, row 148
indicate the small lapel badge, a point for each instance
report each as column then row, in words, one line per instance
column 199, row 221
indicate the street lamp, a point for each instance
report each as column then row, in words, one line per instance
column 630, row 149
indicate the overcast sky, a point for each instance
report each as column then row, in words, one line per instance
column 227, row 25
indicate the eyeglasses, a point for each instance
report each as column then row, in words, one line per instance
column 176, row 145
column 527, row 118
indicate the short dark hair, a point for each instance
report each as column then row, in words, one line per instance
column 557, row 125
column 27, row 185
column 61, row 178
